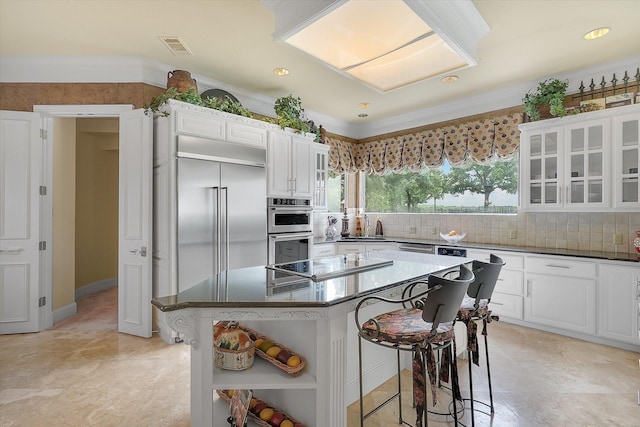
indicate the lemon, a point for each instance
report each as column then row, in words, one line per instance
column 293, row 361
column 273, row 351
column 286, row 423
column 257, row 342
column 266, row 414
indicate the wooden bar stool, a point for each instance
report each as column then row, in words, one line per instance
column 423, row 325
column 475, row 307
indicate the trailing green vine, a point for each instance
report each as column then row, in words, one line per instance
column 291, row 115
column 225, row 104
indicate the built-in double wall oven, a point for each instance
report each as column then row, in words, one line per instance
column 289, row 227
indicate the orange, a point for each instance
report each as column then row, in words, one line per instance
column 286, row 423
column 293, row 361
column 266, row 414
column 273, row 351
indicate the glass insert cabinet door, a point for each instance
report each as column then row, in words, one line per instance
column 544, row 168
column 626, row 135
column 586, row 157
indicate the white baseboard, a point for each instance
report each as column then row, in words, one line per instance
column 95, row 287
column 65, row 312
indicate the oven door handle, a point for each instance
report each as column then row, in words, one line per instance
column 302, row 209
column 290, row 236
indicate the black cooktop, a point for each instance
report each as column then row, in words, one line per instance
column 320, row 269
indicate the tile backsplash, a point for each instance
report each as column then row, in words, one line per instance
column 598, row 231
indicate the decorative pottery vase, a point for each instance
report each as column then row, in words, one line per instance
column 181, row 80
column 636, row 242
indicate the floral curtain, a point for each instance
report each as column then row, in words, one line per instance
column 480, row 140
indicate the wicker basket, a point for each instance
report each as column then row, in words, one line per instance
column 294, row 371
column 235, row 359
column 223, row 394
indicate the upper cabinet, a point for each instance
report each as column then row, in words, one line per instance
column 566, row 164
column 626, row 143
column 321, row 168
column 290, row 165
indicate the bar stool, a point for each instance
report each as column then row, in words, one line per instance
column 475, row 307
column 423, row 325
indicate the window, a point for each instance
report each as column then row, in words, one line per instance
column 472, row 188
column 335, row 192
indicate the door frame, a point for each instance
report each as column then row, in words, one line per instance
column 49, row 113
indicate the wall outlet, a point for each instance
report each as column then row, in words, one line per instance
column 617, row 239
column 513, row 234
column 412, row 230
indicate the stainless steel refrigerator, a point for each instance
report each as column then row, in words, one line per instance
column 222, row 223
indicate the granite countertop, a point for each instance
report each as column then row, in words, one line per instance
column 614, row 256
column 257, row 286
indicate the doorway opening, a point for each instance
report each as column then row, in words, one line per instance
column 85, row 213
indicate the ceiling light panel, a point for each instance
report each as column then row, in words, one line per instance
column 386, row 44
column 418, row 61
column 359, row 31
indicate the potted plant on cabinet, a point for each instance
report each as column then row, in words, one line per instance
column 291, row 115
column 550, row 92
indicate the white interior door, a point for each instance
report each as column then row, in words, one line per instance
column 21, row 157
column 135, row 223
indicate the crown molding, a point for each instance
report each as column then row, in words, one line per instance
column 128, row 69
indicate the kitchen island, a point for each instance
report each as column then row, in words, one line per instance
column 314, row 318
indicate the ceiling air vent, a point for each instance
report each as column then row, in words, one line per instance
column 176, row 45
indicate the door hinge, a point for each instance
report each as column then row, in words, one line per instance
column 43, row 245
column 43, row 190
column 43, row 134
column 42, row 301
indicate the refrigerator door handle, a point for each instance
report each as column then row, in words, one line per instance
column 217, row 227
column 226, row 227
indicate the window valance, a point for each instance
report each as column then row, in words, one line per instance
column 480, row 140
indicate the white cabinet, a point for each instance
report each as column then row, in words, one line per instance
column 619, row 302
column 321, row 177
column 508, row 296
column 626, row 143
column 560, row 292
column 290, row 163
column 324, row 249
column 363, row 247
column 566, row 163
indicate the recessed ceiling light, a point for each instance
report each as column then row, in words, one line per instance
column 364, row 105
column 280, row 71
column 597, row 33
column 449, row 79
column 363, row 115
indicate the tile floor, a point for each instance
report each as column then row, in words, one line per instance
column 83, row 373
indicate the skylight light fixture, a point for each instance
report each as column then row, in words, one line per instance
column 385, row 44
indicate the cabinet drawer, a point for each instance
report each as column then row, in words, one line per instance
column 506, row 305
column 324, row 250
column 200, row 125
column 244, row 134
column 510, row 282
column 512, row 261
column 558, row 266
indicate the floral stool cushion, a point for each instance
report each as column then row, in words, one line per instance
column 405, row 327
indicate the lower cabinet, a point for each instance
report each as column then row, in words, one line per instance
column 356, row 247
column 324, row 249
column 619, row 302
column 561, row 293
column 507, row 299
